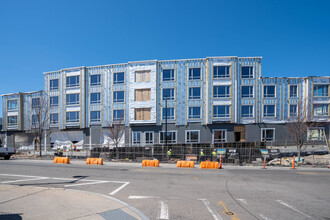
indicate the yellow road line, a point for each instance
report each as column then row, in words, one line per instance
column 196, row 178
column 313, row 173
column 233, row 215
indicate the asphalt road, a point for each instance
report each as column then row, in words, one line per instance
column 168, row 192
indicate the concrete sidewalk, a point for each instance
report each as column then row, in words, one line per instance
column 25, row 202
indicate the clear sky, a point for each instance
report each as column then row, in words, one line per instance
column 293, row 37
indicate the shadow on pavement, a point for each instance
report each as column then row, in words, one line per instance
column 10, row 216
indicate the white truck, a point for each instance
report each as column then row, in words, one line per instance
column 6, row 152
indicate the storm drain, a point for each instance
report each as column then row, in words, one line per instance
column 116, row 214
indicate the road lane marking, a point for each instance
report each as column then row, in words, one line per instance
column 15, row 181
column 287, row 205
column 227, row 212
column 242, row 200
column 3, row 174
column 118, row 189
column 264, row 217
column 196, row 178
column 163, row 210
column 82, row 184
column 215, row 215
column 142, row 197
column 313, row 173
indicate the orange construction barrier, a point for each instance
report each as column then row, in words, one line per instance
column 94, row 161
column 209, row 165
column 185, row 164
column 62, row 160
column 150, row 163
column 293, row 162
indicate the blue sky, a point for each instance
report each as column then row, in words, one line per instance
column 40, row 36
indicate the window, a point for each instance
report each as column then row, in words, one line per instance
column 192, row 136
column 35, row 120
column 72, row 81
column 170, row 137
column 194, row 73
column 170, row 113
column 72, row 99
column 12, row 104
column 267, row 134
column 54, row 118
column 53, row 84
column 221, row 91
column 194, row 113
column 136, row 137
column 168, row 93
column 118, row 115
column 12, row 120
column 168, row 75
column 247, row 111
column 119, row 78
column 247, row 72
column 221, row 111
column 119, row 96
column 194, row 93
column 142, row 113
column 315, row 134
column 142, row 94
column 53, row 101
column 269, row 91
column 247, row 91
column 321, row 109
column 95, row 98
column 96, row 80
column 293, row 111
column 269, row 110
column 221, row 72
column 293, row 91
column 35, row 102
column 143, row 76
column 72, row 117
column 321, row 90
column 95, row 116
column 219, row 135
column 149, row 137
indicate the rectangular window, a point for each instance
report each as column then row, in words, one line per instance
column 168, row 75
column 119, row 96
column 72, row 99
column 269, row 91
column 221, row 111
column 293, row 91
column 221, row 72
column 72, row 117
column 35, row 120
column 119, row 78
column 321, row 109
column 247, row 72
column 267, row 134
column 142, row 94
column 72, row 81
column 118, row 115
column 169, row 115
column 149, row 137
column 53, row 118
column 12, row 104
column 321, row 90
column 142, row 114
column 247, row 111
column 143, row 76
column 53, row 84
column 194, row 93
column 169, row 94
column 12, row 120
column 95, row 116
column 219, row 135
column 194, row 73
column 35, row 102
column 96, row 80
column 170, row 137
column 315, row 134
column 293, row 111
column 194, row 113
column 247, row 91
column 269, row 110
column 192, row 136
column 221, row 92
column 95, row 98
column 53, row 101
column 136, row 137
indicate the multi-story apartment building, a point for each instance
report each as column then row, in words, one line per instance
column 211, row 100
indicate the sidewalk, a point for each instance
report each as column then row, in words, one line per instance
column 25, row 202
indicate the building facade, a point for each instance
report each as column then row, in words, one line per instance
column 211, row 100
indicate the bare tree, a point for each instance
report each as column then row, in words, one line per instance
column 117, row 130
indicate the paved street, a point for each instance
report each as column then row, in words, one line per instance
column 168, row 192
